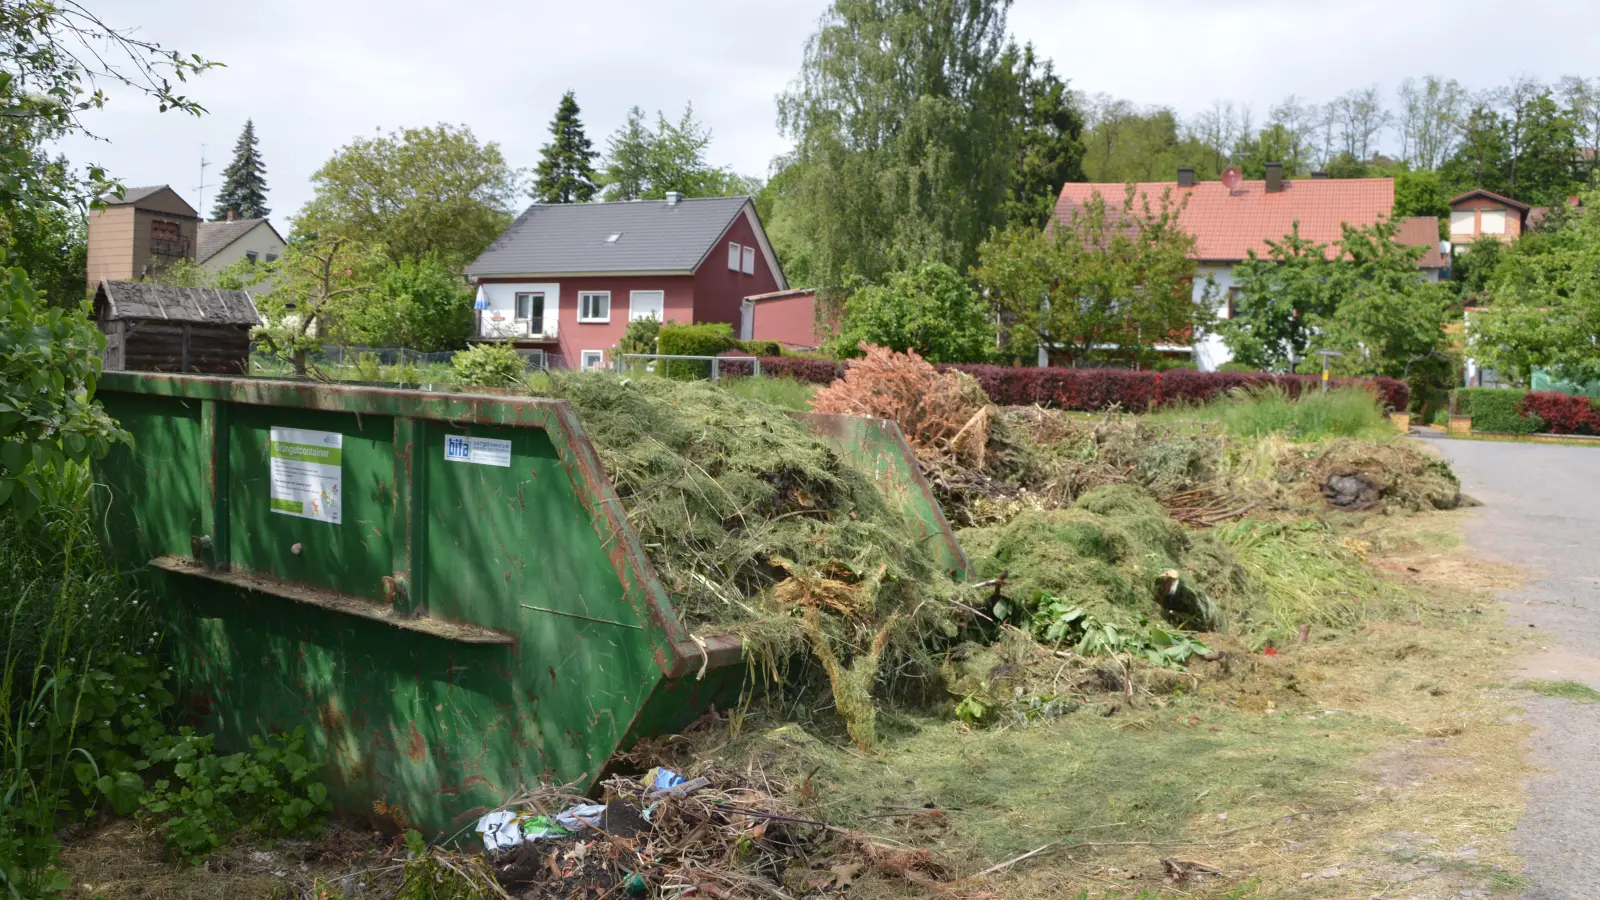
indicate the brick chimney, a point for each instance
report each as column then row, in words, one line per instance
column 232, row 215
column 1186, row 176
column 1274, row 177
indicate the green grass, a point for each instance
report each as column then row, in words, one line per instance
column 782, row 392
column 1348, row 412
column 1565, row 689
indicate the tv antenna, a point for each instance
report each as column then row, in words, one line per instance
column 1232, row 178
column 201, row 187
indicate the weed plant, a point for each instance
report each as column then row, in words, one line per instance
column 786, row 393
column 1346, row 412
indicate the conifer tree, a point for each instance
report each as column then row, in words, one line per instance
column 566, row 166
column 244, row 185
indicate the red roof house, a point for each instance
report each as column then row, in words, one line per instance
column 568, row 278
column 1228, row 223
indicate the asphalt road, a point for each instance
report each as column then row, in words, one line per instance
column 1542, row 511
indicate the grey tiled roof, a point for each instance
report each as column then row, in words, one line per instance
column 216, row 235
column 139, row 300
column 133, row 194
column 654, row 236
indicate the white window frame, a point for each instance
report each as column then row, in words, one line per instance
column 659, row 313
column 749, row 263
column 516, row 310
column 735, row 254
column 582, row 311
column 585, row 355
column 1484, row 217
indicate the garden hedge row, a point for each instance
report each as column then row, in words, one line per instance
column 1515, row 411
column 1096, row 389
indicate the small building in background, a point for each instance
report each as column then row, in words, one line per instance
column 161, row 328
column 787, row 317
column 221, row 244
column 1482, row 213
column 139, row 234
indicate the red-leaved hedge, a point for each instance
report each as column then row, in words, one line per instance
column 1096, row 389
column 1562, row 413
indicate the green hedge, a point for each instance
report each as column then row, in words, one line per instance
column 762, row 348
column 707, row 339
column 1495, row 410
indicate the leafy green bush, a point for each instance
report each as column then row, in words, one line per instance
column 268, row 791
column 1495, row 410
column 488, row 365
column 49, row 365
column 762, row 348
column 705, row 339
column 930, row 309
column 640, row 336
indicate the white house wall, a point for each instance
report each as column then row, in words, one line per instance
column 259, row 239
column 502, row 300
column 1209, row 350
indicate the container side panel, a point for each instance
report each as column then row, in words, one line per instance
column 155, row 490
column 353, row 555
column 429, row 725
column 511, row 547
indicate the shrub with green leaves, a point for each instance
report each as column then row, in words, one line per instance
column 1496, row 410
column 488, row 365
column 704, row 339
column 49, row 366
column 207, row 798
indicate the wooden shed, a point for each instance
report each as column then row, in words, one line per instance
column 161, row 328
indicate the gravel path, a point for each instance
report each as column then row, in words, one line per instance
column 1542, row 510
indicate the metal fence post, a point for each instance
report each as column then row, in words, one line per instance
column 756, row 363
column 716, row 368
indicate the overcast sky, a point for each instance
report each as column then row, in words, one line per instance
column 315, row 74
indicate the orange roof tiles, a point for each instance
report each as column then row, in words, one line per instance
column 1226, row 224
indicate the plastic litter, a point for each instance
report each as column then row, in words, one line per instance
column 661, row 778
column 580, row 817
column 504, row 829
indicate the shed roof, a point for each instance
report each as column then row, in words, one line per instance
column 1226, row 224
column 214, row 237
column 133, row 194
column 1423, row 231
column 1489, row 195
column 139, row 300
column 572, row 238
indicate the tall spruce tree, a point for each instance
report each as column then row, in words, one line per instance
column 566, row 165
column 244, row 181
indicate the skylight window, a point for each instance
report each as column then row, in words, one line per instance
column 612, row 239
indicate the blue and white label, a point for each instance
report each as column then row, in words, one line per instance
column 482, row 451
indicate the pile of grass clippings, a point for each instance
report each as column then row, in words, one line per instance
column 758, row 527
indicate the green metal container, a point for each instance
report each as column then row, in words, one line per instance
column 442, row 587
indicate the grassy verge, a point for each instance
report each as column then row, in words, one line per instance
column 1565, row 690
column 1348, row 412
column 786, row 393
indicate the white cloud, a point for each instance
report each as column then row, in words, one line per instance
column 315, row 74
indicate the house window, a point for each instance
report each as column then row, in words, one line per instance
column 530, row 309
column 1463, row 221
column 251, row 255
column 272, row 257
column 749, row 260
column 594, row 306
column 647, row 305
column 733, row 257
column 1233, row 297
column 1492, row 221
column 593, row 360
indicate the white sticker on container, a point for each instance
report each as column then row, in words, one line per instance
column 306, row 473
column 483, row 451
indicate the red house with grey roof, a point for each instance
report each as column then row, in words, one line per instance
column 568, row 278
column 1228, row 223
